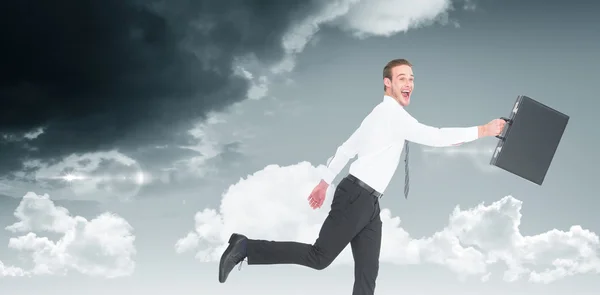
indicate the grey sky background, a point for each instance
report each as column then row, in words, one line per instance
column 466, row 74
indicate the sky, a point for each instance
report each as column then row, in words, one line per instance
column 136, row 136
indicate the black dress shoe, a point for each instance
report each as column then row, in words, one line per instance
column 234, row 254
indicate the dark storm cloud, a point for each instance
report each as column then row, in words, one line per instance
column 122, row 73
column 230, row 161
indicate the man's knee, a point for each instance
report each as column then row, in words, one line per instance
column 319, row 259
column 367, row 270
column 322, row 263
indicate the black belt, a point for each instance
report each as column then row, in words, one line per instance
column 365, row 186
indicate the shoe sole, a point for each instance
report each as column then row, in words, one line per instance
column 222, row 276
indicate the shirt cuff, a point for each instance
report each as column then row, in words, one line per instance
column 326, row 174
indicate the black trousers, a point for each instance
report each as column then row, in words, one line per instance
column 353, row 219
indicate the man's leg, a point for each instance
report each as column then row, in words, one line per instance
column 346, row 218
column 366, row 246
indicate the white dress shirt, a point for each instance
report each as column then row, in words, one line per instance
column 379, row 140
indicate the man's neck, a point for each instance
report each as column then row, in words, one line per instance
column 393, row 97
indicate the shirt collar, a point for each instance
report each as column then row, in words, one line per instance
column 387, row 98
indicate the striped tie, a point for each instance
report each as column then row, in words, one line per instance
column 406, row 178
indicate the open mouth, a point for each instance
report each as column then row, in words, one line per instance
column 406, row 94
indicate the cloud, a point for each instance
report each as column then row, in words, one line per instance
column 214, row 144
column 479, row 153
column 146, row 76
column 362, row 19
column 139, row 79
column 91, row 176
column 208, row 146
column 262, row 206
column 102, row 247
column 10, row 271
column 389, row 17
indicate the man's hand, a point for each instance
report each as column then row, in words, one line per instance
column 493, row 128
column 317, row 196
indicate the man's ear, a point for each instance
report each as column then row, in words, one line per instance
column 387, row 82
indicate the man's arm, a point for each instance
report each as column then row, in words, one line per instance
column 414, row 131
column 343, row 154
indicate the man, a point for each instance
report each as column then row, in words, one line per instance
column 354, row 216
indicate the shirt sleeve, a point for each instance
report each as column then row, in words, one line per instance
column 412, row 130
column 343, row 154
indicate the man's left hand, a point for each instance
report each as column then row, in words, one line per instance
column 317, row 196
column 494, row 127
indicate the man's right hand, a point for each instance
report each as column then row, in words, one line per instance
column 317, row 196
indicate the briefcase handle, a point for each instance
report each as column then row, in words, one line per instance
column 507, row 120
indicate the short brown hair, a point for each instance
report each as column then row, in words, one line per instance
column 387, row 70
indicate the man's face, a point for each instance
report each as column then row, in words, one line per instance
column 402, row 84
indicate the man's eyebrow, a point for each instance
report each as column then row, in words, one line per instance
column 412, row 75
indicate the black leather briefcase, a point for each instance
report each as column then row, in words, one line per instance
column 530, row 139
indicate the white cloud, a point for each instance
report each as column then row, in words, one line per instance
column 208, row 147
column 360, row 18
column 390, row 17
column 479, row 153
column 92, row 176
column 103, row 246
column 35, row 133
column 263, row 206
column 10, row 271
column 32, row 134
column 212, row 137
column 295, row 40
column 112, row 175
column 258, row 85
column 365, row 18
